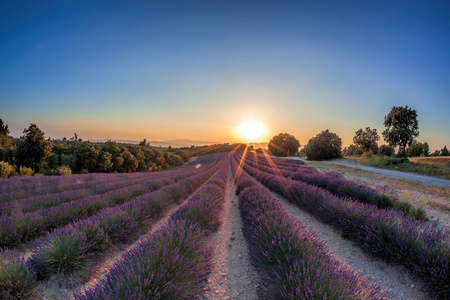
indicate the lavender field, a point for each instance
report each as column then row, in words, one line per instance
column 154, row 235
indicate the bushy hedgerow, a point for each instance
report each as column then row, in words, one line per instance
column 5, row 169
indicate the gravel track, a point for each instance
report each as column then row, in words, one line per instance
column 232, row 276
column 421, row 178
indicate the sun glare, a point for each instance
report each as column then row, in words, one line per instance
column 251, row 130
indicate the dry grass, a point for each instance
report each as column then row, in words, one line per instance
column 397, row 184
column 436, row 160
column 435, row 200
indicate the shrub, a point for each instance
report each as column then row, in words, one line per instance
column 5, row 169
column 63, row 251
column 24, row 171
column 16, row 280
column 325, row 145
column 387, row 150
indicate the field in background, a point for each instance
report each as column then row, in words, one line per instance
column 437, row 160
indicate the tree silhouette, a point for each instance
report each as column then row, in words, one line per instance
column 284, row 144
column 402, row 127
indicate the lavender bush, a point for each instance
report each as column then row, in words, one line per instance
column 174, row 261
column 388, row 234
column 16, row 280
column 291, row 260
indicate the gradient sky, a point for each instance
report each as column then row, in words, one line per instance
column 197, row 69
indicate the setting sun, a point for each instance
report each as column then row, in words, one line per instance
column 251, row 130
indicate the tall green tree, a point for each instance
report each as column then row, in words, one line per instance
column 444, row 151
column 325, row 145
column 402, row 127
column 418, row 149
column 34, row 148
column 367, row 139
column 5, row 139
column 284, row 144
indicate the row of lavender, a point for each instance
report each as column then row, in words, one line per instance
column 335, row 185
column 18, row 183
column 23, row 227
column 40, row 201
column 55, row 186
column 388, row 234
column 174, row 261
column 18, row 187
column 70, row 248
column 105, row 183
column 292, row 261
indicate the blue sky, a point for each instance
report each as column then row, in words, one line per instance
column 197, row 69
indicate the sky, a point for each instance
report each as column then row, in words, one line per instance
column 196, row 70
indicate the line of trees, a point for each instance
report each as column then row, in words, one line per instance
column 32, row 153
column 401, row 130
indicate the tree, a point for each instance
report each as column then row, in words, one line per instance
column 436, row 153
column 387, row 150
column 284, row 144
column 34, row 149
column 367, row 140
column 5, row 140
column 402, row 127
column 418, row 149
column 4, row 130
column 325, row 145
column 350, row 150
column 444, row 151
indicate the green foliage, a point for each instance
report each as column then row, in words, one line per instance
column 34, row 148
column 402, row 127
column 24, row 171
column 349, row 151
column 325, row 145
column 64, row 254
column 414, row 213
column 63, row 170
column 130, row 162
column 5, row 169
column 387, row 150
column 366, row 140
column 403, row 164
column 4, row 130
column 444, row 151
column 16, row 280
column 284, row 144
column 418, row 149
column 436, row 153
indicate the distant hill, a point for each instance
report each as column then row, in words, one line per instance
column 176, row 143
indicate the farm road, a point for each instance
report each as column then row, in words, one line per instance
column 232, row 276
column 403, row 175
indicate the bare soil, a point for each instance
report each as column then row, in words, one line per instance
column 233, row 276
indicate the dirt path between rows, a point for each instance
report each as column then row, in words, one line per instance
column 232, row 276
column 394, row 280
